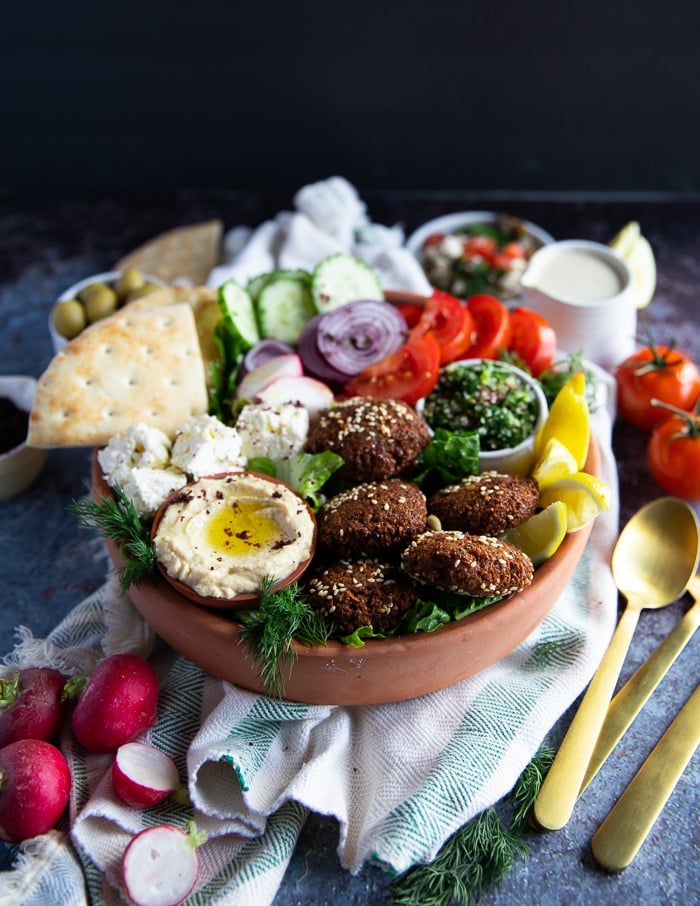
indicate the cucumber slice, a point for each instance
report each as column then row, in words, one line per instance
column 237, row 308
column 283, row 306
column 341, row 278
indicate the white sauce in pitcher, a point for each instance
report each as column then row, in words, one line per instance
column 578, row 275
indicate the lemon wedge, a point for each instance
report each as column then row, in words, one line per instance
column 585, row 497
column 568, row 421
column 540, row 536
column 636, row 251
column 556, row 462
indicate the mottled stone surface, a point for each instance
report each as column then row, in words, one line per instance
column 49, row 565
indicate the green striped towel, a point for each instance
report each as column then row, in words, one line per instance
column 400, row 778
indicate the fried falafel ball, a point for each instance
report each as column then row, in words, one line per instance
column 353, row 593
column 376, row 518
column 377, row 439
column 480, row 566
column 485, row 504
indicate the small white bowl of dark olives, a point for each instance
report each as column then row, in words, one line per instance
column 94, row 298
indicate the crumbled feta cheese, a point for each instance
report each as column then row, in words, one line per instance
column 147, row 487
column 138, row 446
column 205, row 446
column 278, row 432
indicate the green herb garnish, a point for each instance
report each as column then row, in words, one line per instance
column 116, row 519
column 270, row 630
column 305, row 473
column 480, row 854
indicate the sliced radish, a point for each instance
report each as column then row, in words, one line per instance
column 277, row 367
column 313, row 395
column 160, row 865
column 142, row 775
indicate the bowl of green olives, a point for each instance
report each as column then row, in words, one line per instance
column 94, row 298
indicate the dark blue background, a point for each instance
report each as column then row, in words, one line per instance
column 393, row 95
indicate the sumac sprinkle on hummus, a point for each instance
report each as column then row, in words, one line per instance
column 225, row 534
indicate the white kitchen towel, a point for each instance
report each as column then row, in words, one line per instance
column 399, row 778
column 328, row 217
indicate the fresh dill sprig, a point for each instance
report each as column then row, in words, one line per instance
column 480, row 854
column 116, row 519
column 269, row 632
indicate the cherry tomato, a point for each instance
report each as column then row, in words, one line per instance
column 673, row 454
column 491, row 326
column 450, row 322
column 479, row 247
column 659, row 372
column 532, row 339
column 407, row 374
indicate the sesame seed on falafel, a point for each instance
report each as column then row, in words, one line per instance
column 485, row 504
column 372, row 519
column 377, row 439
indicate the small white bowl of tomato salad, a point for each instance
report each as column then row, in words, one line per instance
column 501, row 403
column 470, row 252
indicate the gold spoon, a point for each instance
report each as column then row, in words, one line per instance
column 619, row 837
column 654, row 559
column 630, row 700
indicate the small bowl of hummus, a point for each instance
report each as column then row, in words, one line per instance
column 218, row 538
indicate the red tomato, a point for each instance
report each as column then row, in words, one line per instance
column 450, row 322
column 433, row 239
column 532, row 339
column 407, row 374
column 655, row 372
column 673, row 455
column 479, row 247
column 410, row 313
column 491, row 326
column 513, row 250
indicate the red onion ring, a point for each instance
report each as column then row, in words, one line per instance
column 358, row 334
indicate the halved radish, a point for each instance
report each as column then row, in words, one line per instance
column 257, row 379
column 313, row 395
column 160, row 865
column 142, row 775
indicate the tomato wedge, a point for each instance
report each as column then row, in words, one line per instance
column 450, row 322
column 407, row 374
column 491, row 326
column 532, row 339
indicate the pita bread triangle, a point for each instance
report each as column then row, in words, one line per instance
column 135, row 366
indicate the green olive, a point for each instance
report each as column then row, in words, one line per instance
column 130, row 281
column 145, row 290
column 91, row 289
column 69, row 318
column 100, row 304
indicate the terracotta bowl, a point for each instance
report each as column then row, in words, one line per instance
column 384, row 670
column 242, row 601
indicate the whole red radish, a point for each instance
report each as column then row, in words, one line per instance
column 118, row 702
column 34, row 789
column 143, row 776
column 31, row 704
column 160, row 865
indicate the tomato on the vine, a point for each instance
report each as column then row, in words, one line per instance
column 532, row 339
column 655, row 372
column 407, row 374
column 673, row 454
column 450, row 322
column 491, row 326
